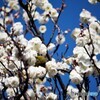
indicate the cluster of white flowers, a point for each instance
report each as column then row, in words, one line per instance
column 17, row 28
column 88, row 43
column 54, row 67
column 49, row 12
column 60, row 38
column 73, row 92
column 93, row 1
column 51, row 96
column 13, row 4
column 38, row 72
column 17, row 53
column 29, row 63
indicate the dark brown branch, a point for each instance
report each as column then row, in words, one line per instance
column 32, row 24
column 62, row 86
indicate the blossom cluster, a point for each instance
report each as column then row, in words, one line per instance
column 84, row 61
column 22, row 59
column 93, row 1
column 48, row 12
column 26, row 65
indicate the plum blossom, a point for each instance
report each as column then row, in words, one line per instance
column 12, row 81
column 63, row 66
column 10, row 92
column 22, row 40
column 43, row 50
column 47, row 7
column 25, row 16
column 42, row 28
column 41, row 71
column 85, row 16
column 93, row 1
column 36, row 15
column 38, row 72
column 95, row 27
column 54, row 13
column 17, row 28
column 43, row 19
column 51, row 46
column 35, row 43
column 29, row 57
column 31, row 93
column 13, row 4
column 82, row 56
column 3, row 36
column 92, row 19
column 51, row 67
column 19, row 56
column 51, row 96
column 75, row 77
column 32, row 72
column 12, row 65
column 60, row 39
column 98, row 64
column 73, row 92
column 76, row 32
column 84, row 70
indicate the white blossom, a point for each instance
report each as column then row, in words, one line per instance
column 76, row 32
column 41, row 71
column 43, row 50
column 84, row 70
column 51, row 46
column 69, row 60
column 47, row 7
column 51, row 67
column 22, row 40
column 12, row 65
column 82, row 57
column 85, row 16
column 75, row 77
column 54, row 14
column 36, row 72
column 1, row 22
column 31, row 93
column 3, row 36
column 42, row 29
column 92, row 19
column 17, row 28
column 32, row 72
column 12, row 81
column 95, row 26
column 51, row 96
column 43, row 19
column 63, row 66
column 36, row 15
column 73, row 92
column 60, row 39
column 35, row 43
column 13, row 4
column 25, row 16
column 10, row 92
column 93, row 1
column 30, row 57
